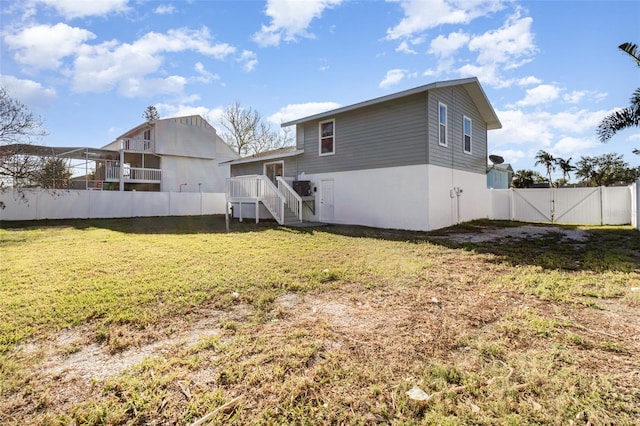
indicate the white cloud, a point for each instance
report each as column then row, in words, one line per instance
column 421, row 15
column 102, row 67
column 393, row 77
column 541, row 94
column 403, row 47
column 290, row 20
column 634, row 137
column 45, row 46
column 249, row 60
column 205, row 76
column 445, row 46
column 572, row 145
column 295, row 111
column 164, row 9
column 80, row 8
column 145, row 87
column 28, row 92
column 564, row 133
column 527, row 81
column 513, row 41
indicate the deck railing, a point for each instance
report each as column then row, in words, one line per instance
column 134, row 144
column 292, row 199
column 257, row 188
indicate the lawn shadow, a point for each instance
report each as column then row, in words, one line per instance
column 551, row 247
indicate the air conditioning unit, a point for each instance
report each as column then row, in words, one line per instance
column 302, row 187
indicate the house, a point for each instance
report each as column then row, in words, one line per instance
column 179, row 154
column 499, row 176
column 412, row 160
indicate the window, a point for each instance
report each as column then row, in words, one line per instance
column 466, row 138
column 327, row 137
column 442, row 128
column 147, row 135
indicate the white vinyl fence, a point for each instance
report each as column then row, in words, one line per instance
column 63, row 204
column 584, row 206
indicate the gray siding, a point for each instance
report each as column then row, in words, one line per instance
column 398, row 132
column 383, row 135
column 458, row 104
column 257, row 167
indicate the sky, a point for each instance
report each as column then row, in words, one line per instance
column 551, row 69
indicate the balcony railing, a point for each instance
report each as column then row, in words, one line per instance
column 139, row 145
column 133, row 174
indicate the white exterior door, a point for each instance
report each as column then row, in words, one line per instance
column 326, row 200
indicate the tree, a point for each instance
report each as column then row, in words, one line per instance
column 525, row 178
column 54, row 174
column 547, row 161
column 247, row 133
column 566, row 167
column 151, row 114
column 18, row 125
column 626, row 117
column 605, row 170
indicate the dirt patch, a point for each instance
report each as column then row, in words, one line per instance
column 521, row 232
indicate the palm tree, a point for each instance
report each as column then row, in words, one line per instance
column 626, row 117
column 547, row 161
column 566, row 167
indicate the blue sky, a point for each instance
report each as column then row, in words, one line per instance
column 551, row 69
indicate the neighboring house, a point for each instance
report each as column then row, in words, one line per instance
column 181, row 154
column 499, row 176
column 410, row 160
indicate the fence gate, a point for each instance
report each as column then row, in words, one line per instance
column 586, row 206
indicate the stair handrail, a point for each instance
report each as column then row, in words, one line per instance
column 273, row 199
column 293, row 199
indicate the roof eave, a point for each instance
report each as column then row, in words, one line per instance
column 491, row 124
column 244, row 160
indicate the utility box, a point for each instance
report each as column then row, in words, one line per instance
column 302, row 187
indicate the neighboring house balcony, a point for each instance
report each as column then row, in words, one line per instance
column 137, row 145
column 132, row 174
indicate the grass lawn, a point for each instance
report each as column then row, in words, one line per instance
column 174, row 321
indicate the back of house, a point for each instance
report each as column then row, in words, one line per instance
column 410, row 160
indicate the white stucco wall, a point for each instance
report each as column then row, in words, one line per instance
column 474, row 200
column 410, row 197
column 394, row 197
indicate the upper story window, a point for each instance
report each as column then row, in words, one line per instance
column 147, row 135
column 327, row 137
column 442, row 127
column 466, row 138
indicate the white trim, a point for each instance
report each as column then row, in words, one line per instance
column 333, row 137
column 446, row 124
column 464, row 134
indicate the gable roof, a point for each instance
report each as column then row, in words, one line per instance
column 146, row 124
column 471, row 85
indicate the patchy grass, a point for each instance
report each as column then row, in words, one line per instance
column 166, row 320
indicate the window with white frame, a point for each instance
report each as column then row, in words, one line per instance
column 327, row 137
column 466, row 138
column 442, row 127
